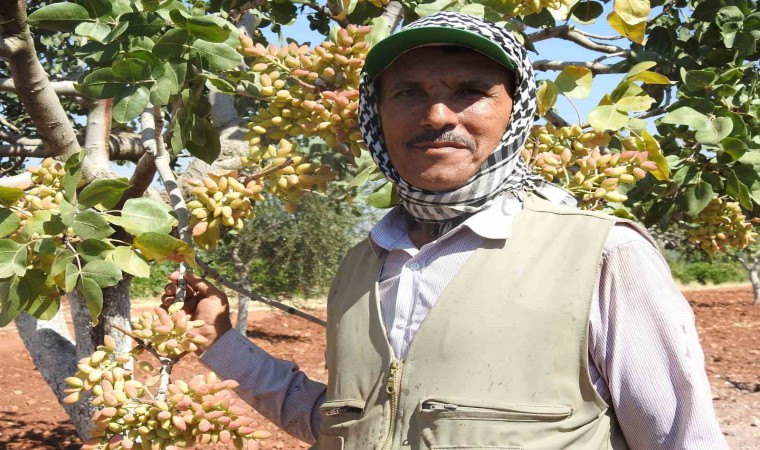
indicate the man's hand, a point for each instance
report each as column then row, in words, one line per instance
column 203, row 301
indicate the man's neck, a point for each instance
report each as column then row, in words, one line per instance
column 421, row 233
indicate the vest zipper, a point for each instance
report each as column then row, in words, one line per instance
column 392, row 389
column 513, row 414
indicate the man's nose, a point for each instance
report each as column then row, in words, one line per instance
column 439, row 115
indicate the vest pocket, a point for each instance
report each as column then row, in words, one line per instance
column 338, row 411
column 472, row 424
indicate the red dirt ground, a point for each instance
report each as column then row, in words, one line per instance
column 31, row 418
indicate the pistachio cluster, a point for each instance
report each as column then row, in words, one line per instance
column 130, row 416
column 288, row 174
column 719, row 225
column 47, row 192
column 311, row 93
column 572, row 158
column 220, row 200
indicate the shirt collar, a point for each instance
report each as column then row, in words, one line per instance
column 492, row 222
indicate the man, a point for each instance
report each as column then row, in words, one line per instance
column 477, row 314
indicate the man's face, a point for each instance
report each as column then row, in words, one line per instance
column 443, row 114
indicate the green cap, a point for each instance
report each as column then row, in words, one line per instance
column 382, row 54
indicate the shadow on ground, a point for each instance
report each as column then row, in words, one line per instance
column 19, row 434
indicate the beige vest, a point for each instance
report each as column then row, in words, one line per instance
column 500, row 362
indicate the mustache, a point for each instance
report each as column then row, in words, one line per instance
column 442, row 136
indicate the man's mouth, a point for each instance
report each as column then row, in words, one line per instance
column 441, row 145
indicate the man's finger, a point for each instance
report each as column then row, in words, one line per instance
column 201, row 287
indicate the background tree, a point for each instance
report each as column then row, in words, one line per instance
column 152, row 81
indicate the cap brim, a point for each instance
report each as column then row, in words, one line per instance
column 382, row 54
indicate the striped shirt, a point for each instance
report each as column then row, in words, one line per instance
column 647, row 361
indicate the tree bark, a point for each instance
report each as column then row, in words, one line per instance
column 53, row 353
column 755, row 280
column 243, row 300
column 33, row 87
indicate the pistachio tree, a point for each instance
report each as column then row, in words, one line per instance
column 156, row 82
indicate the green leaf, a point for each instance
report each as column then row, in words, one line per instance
column 63, row 16
column 697, row 197
column 636, row 103
column 546, row 97
column 131, row 262
column 706, row 10
column 696, row 80
column 383, row 197
column 586, row 11
column 104, row 273
column 44, row 300
column 101, row 83
column 71, row 276
column 141, row 215
column 10, row 195
column 94, row 31
column 474, row 9
column 73, row 176
column 640, row 67
column 12, row 258
column 68, row 211
column 44, row 222
column 98, row 8
column 717, row 128
column 215, row 56
column 127, row 107
column 46, row 246
column 209, row 150
column 142, row 24
column 91, row 225
column 95, row 249
column 12, row 300
column 132, row 70
column 607, row 117
column 686, row 116
column 652, row 146
column 574, row 81
column 172, row 45
column 380, row 30
column 162, row 247
column 632, row 11
column 734, row 147
column 208, row 28
column 738, row 190
column 93, row 296
column 649, row 78
column 61, row 261
column 103, row 194
column 9, row 222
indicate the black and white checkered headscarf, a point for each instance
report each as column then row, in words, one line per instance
column 503, row 171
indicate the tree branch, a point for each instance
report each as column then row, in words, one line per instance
column 21, row 181
column 97, row 163
column 124, row 146
column 394, row 13
column 569, row 33
column 62, row 88
column 596, row 68
column 32, row 86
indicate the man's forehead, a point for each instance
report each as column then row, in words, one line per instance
column 462, row 63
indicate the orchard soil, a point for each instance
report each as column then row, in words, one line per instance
column 729, row 328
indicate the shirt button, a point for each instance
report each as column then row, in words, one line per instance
column 414, row 266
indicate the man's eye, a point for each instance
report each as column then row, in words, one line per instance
column 471, row 92
column 406, row 93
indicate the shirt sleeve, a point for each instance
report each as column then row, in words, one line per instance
column 275, row 388
column 644, row 344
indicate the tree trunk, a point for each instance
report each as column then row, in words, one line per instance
column 56, row 355
column 243, row 300
column 53, row 353
column 755, row 284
